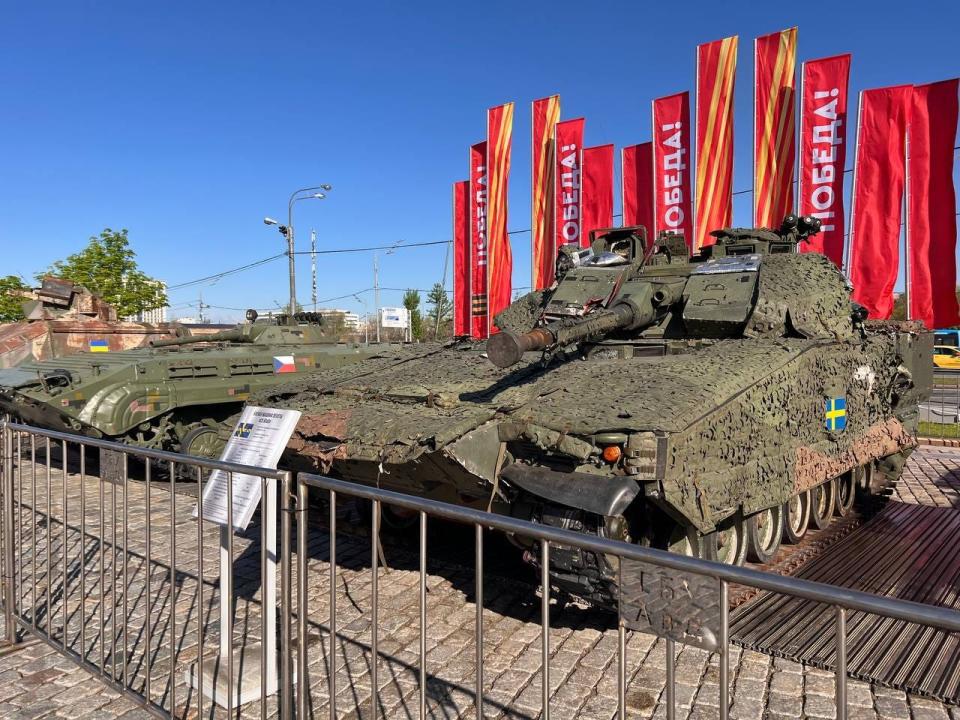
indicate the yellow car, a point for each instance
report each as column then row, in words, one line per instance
column 945, row 356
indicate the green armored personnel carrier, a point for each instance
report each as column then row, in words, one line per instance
column 174, row 394
column 714, row 406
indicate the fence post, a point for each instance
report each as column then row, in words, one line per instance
column 7, row 525
column 303, row 683
column 287, row 489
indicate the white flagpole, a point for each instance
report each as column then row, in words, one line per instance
column 533, row 196
column 654, row 142
column 623, row 187
column 695, row 201
column 756, row 87
column 798, row 148
column 906, row 219
column 853, row 190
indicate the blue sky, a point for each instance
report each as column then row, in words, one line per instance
column 187, row 123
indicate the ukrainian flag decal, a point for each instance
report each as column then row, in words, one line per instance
column 836, row 413
column 243, row 430
column 99, row 346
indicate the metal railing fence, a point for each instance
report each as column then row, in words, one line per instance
column 99, row 578
column 940, row 415
column 91, row 566
column 841, row 599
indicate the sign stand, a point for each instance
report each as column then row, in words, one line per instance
column 247, row 670
column 258, row 440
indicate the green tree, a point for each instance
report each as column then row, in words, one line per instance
column 440, row 308
column 336, row 323
column 900, row 307
column 107, row 266
column 411, row 301
column 11, row 299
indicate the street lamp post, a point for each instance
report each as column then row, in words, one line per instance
column 376, row 282
column 366, row 320
column 287, row 231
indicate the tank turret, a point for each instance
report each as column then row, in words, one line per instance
column 719, row 287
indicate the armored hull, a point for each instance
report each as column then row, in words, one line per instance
column 173, row 395
column 751, row 398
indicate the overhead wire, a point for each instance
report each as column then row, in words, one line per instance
column 372, row 248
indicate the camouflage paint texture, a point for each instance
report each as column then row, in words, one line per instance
column 152, row 395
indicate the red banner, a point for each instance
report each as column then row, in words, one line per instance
column 636, row 182
column 461, row 259
column 499, row 136
column 878, row 180
column 823, row 151
column 931, row 214
column 479, row 287
column 716, row 68
column 774, row 127
column 672, row 205
column 597, row 190
column 546, row 114
column 569, row 159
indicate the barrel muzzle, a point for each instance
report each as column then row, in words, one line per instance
column 506, row 348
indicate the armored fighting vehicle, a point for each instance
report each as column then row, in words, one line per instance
column 712, row 405
column 174, row 394
column 62, row 318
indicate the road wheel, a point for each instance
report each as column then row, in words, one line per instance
column 821, row 508
column 763, row 534
column 796, row 513
column 727, row 544
column 685, row 541
column 845, row 492
column 203, row 441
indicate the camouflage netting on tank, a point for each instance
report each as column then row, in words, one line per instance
column 522, row 314
column 417, row 400
column 744, row 450
column 801, row 295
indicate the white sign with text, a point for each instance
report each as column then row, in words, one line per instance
column 258, row 440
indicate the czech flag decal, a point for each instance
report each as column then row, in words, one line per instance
column 99, row 346
column 283, row 364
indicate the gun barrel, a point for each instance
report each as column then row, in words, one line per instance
column 506, row 348
column 225, row 336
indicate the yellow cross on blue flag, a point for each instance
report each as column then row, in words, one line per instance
column 836, row 413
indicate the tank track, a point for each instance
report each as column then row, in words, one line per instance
column 593, row 578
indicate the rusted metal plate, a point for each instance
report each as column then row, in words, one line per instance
column 684, row 607
column 906, row 551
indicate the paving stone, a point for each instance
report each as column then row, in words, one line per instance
column 820, row 706
column 890, row 708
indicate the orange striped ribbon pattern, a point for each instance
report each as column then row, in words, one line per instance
column 774, row 127
column 716, row 68
column 546, row 113
column 499, row 135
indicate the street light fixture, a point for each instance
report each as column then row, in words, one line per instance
column 366, row 320
column 287, row 232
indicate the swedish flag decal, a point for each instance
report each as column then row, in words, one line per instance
column 243, row 430
column 836, row 413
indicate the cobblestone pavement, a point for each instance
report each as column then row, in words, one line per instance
column 38, row 681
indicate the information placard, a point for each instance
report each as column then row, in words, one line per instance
column 258, row 439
